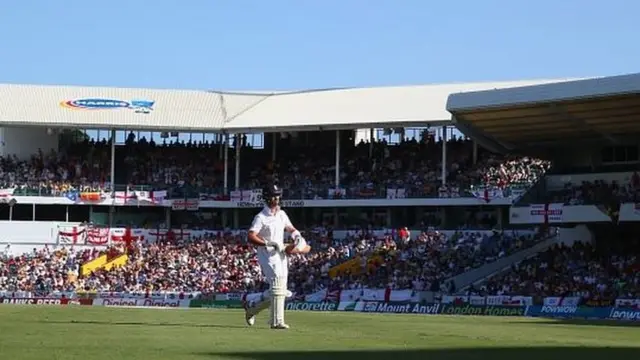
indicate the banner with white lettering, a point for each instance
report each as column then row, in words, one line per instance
column 158, row 295
column 628, row 303
column 254, row 195
column 501, row 300
column 396, row 194
column 185, row 204
column 45, row 301
column 561, row 301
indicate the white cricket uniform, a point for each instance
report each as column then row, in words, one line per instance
column 271, row 227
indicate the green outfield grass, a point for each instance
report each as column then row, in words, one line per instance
column 90, row 333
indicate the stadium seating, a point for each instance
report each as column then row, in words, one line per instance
column 307, row 172
column 224, row 264
column 570, row 271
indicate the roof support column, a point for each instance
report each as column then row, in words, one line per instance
column 273, row 146
column 113, row 164
column 475, row 152
column 444, row 155
column 337, row 179
column 238, row 146
column 112, row 208
column 220, row 139
column 225, row 145
column 371, row 143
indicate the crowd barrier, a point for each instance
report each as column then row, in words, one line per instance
column 374, row 307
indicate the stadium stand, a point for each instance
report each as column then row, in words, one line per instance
column 305, row 171
column 225, row 263
column 532, row 158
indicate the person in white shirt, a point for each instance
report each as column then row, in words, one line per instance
column 267, row 233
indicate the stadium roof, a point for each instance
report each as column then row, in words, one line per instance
column 213, row 111
column 605, row 109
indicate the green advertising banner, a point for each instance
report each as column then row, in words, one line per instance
column 216, row 304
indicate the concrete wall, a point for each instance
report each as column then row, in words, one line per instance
column 25, row 141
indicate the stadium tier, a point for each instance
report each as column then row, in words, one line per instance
column 514, row 193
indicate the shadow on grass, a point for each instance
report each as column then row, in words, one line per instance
column 585, row 322
column 137, row 323
column 533, row 353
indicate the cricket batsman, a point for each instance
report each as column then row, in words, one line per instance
column 267, row 233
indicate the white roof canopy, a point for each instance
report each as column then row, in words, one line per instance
column 215, row 111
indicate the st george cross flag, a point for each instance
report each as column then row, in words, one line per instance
column 546, row 213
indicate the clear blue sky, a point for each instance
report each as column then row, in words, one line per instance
column 297, row 44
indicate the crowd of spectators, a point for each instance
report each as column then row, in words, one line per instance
column 570, row 271
column 421, row 263
column 225, row 263
column 598, row 192
column 304, row 168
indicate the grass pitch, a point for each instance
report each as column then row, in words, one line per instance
column 91, row 333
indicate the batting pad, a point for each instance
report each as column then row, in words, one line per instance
column 279, row 293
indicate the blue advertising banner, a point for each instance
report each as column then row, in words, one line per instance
column 624, row 314
column 584, row 312
column 569, row 312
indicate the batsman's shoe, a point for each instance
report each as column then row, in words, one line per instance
column 282, row 326
column 249, row 317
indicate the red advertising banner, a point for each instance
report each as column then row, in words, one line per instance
column 45, row 301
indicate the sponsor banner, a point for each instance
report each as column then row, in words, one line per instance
column 258, row 204
column 158, row 295
column 500, row 300
column 137, row 106
column 546, row 213
column 228, row 296
column 312, row 306
column 216, row 304
column 382, row 307
column 171, row 303
column 45, row 301
column 628, row 303
column 484, row 310
column 561, row 301
column 624, row 314
column 185, row 204
column 568, row 311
